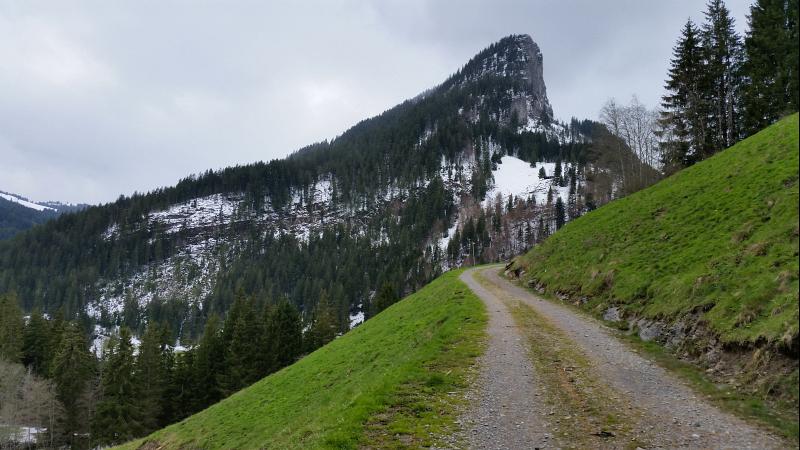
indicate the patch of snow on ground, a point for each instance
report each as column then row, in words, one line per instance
column 212, row 210
column 516, row 177
column 25, row 203
column 100, row 337
column 444, row 241
column 356, row 319
column 24, row 435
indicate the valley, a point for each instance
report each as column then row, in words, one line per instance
column 450, row 262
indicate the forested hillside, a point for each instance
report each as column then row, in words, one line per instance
column 376, row 206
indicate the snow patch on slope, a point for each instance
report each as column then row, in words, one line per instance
column 212, row 210
column 516, row 177
column 21, row 201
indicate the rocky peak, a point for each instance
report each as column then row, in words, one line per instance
column 517, row 57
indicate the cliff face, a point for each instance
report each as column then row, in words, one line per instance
column 534, row 69
column 518, row 59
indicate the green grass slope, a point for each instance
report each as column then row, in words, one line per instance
column 720, row 238
column 387, row 383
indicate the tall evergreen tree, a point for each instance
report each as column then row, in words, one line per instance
column 541, row 231
column 723, row 53
column 118, row 417
column 182, row 398
column 11, row 328
column 242, row 365
column 771, row 63
column 685, row 113
column 72, row 370
column 152, row 375
column 209, row 363
column 384, row 298
column 284, row 333
column 324, row 324
column 35, row 344
column 561, row 214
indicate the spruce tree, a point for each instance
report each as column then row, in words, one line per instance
column 285, row 334
column 384, row 298
column 541, row 231
column 246, row 355
column 183, row 394
column 324, row 324
column 684, row 118
column 723, row 54
column 35, row 344
column 557, row 173
column 771, row 64
column 209, row 364
column 72, row 369
column 152, row 375
column 11, row 328
column 118, row 417
column 561, row 214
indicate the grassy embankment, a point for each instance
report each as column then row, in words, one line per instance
column 718, row 242
column 395, row 381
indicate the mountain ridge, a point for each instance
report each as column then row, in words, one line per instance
column 17, row 213
column 403, row 193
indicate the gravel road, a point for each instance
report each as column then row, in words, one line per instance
column 506, row 414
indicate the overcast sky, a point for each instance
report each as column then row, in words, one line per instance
column 101, row 98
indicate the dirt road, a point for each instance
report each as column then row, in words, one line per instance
column 552, row 378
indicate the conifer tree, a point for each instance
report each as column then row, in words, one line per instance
column 384, row 298
column 152, row 375
column 771, row 63
column 557, row 173
column 72, row 369
column 541, row 231
column 684, row 118
column 183, row 395
column 118, row 417
column 284, row 334
column 244, row 349
column 209, row 363
column 11, row 328
column 560, row 213
column 723, row 53
column 324, row 324
column 35, row 344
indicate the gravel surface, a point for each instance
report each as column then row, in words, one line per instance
column 505, row 411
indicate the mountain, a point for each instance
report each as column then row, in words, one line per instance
column 705, row 262
column 475, row 169
column 17, row 213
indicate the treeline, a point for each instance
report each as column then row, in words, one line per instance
column 52, row 382
column 722, row 88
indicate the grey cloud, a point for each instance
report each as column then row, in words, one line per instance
column 102, row 98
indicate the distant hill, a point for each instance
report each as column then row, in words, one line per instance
column 17, row 213
column 705, row 261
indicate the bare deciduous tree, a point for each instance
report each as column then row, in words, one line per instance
column 28, row 406
column 636, row 128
